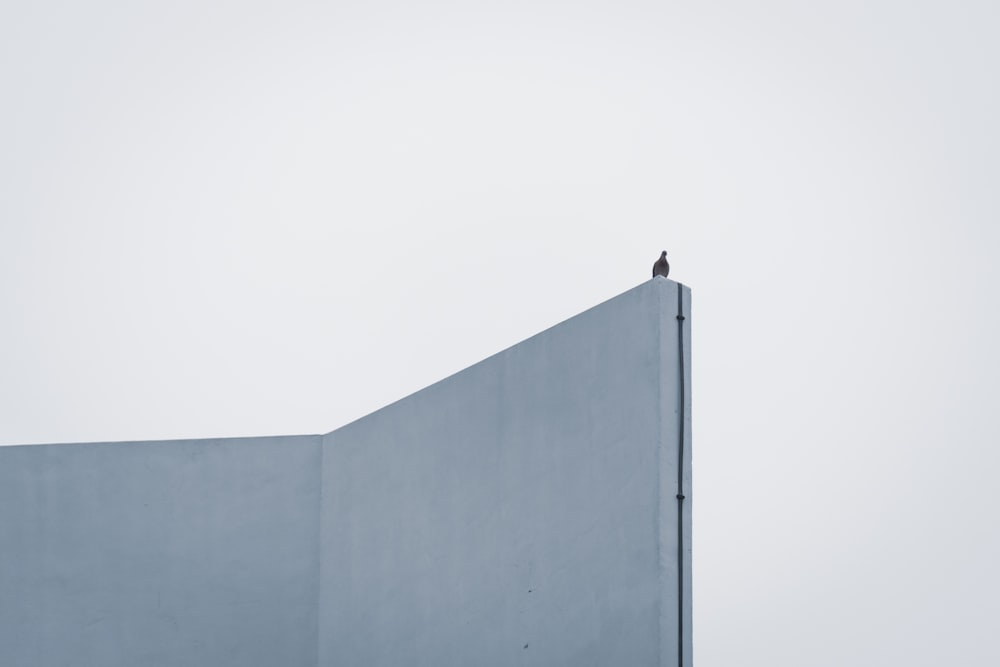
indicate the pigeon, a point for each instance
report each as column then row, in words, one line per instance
column 662, row 267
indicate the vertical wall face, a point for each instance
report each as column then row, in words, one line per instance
column 676, row 637
column 196, row 553
column 522, row 511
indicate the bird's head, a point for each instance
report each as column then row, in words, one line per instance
column 663, row 254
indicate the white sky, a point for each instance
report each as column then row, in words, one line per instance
column 252, row 218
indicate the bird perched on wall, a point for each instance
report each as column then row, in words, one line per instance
column 662, row 267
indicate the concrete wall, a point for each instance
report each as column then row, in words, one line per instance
column 188, row 554
column 511, row 514
column 522, row 511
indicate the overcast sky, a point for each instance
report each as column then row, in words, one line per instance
column 252, row 218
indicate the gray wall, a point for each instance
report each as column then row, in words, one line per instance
column 522, row 511
column 511, row 514
column 188, row 553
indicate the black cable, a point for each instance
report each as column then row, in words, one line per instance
column 680, row 479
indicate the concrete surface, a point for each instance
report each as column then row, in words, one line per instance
column 520, row 512
column 185, row 553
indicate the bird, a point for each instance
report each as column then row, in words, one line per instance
column 662, row 267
